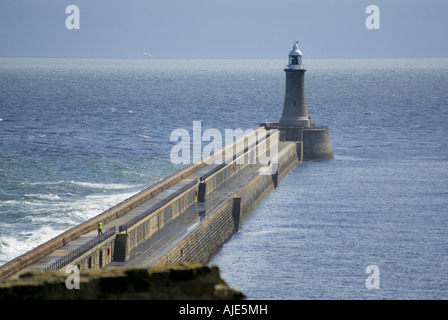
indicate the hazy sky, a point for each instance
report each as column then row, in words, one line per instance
column 223, row 28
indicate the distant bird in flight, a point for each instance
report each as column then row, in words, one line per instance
column 147, row 54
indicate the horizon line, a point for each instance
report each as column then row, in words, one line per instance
column 211, row 58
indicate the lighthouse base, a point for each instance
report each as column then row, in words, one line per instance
column 316, row 145
column 314, row 141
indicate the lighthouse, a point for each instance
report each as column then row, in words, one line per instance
column 295, row 126
column 294, row 107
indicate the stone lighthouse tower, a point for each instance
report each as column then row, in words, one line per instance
column 294, row 107
column 313, row 142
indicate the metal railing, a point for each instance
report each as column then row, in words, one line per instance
column 277, row 125
column 78, row 252
column 153, row 208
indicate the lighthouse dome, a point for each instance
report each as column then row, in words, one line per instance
column 295, row 50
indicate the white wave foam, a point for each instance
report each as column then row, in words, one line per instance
column 47, row 215
column 71, row 212
column 107, row 186
column 43, row 196
column 350, row 158
column 10, row 202
column 143, row 136
column 12, row 247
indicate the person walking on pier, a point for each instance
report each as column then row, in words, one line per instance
column 100, row 228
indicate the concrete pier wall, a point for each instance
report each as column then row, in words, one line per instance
column 98, row 257
column 204, row 242
column 136, row 234
column 316, row 145
column 259, row 188
column 315, row 140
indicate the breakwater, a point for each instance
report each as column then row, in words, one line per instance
column 207, row 199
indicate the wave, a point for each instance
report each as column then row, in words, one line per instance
column 95, row 185
column 42, row 196
column 257, row 233
column 13, row 246
column 351, row 158
column 107, row 186
column 143, row 136
column 38, row 217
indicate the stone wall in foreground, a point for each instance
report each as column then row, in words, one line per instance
column 170, row 282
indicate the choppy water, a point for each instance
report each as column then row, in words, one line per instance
column 77, row 136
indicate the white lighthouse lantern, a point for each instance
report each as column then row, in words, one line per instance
column 295, row 58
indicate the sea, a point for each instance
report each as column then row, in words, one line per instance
column 78, row 136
